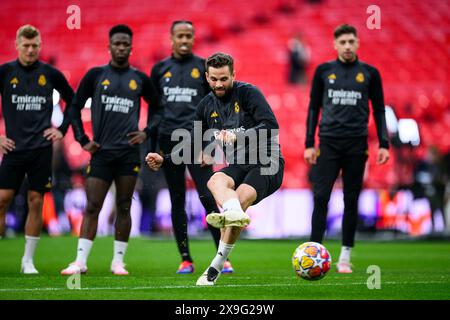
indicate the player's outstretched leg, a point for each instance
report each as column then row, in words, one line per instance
column 230, row 200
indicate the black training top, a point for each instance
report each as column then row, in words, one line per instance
column 27, row 102
column 181, row 84
column 245, row 112
column 343, row 91
column 115, row 108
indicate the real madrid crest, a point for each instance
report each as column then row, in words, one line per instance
column 167, row 76
column 195, row 73
column 42, row 81
column 105, row 84
column 360, row 77
column 14, row 82
column 133, row 84
column 331, row 78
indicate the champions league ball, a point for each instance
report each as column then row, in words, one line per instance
column 311, row 261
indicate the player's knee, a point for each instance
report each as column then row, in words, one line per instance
column 321, row 198
column 93, row 208
column 123, row 206
column 4, row 204
column 35, row 202
column 212, row 183
column 350, row 199
column 247, row 196
column 218, row 182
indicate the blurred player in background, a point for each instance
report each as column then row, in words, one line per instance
column 26, row 86
column 116, row 90
column 236, row 113
column 343, row 89
column 180, row 81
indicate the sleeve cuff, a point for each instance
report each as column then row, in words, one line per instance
column 63, row 129
column 309, row 144
column 148, row 132
column 84, row 140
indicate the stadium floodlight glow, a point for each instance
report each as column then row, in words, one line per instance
column 391, row 120
column 56, row 97
column 408, row 131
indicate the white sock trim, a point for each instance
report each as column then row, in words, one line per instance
column 120, row 248
column 83, row 250
column 222, row 254
column 345, row 254
column 232, row 204
column 31, row 243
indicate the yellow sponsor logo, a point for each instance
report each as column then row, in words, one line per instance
column 214, row 115
column 195, row 73
column 168, row 74
column 136, row 169
column 236, row 107
column 360, row 77
column 48, row 185
column 88, row 169
column 42, row 81
column 14, row 81
column 332, row 76
column 133, row 84
column 106, row 82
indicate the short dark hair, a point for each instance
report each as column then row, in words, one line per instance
column 177, row 22
column 27, row 31
column 120, row 28
column 219, row 60
column 344, row 29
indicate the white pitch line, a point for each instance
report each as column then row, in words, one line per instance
column 219, row 286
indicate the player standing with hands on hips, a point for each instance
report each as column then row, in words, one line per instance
column 116, row 90
column 343, row 88
column 26, row 86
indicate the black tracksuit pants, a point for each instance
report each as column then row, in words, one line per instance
column 176, row 181
column 350, row 156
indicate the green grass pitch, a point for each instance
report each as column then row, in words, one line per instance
column 263, row 270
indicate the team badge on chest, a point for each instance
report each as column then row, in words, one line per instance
column 360, row 77
column 42, row 81
column 132, row 84
column 195, row 73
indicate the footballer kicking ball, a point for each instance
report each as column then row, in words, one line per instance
column 311, row 261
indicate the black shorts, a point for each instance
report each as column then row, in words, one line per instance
column 36, row 164
column 264, row 185
column 109, row 164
